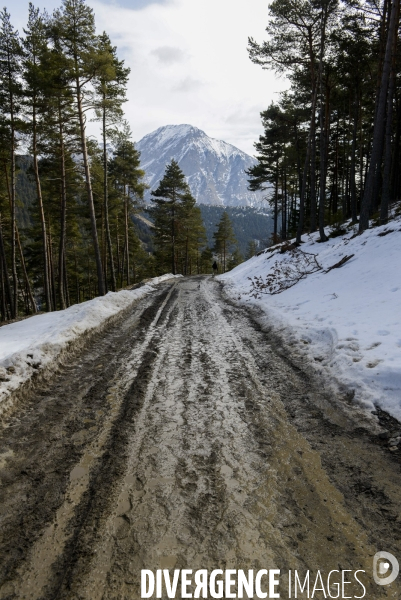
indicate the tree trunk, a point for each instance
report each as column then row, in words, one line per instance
column 186, row 254
column 63, row 219
column 41, row 212
column 5, row 269
column 106, row 205
column 305, row 173
column 276, row 207
column 27, row 282
column 91, row 206
column 284, row 210
column 118, row 250
column 51, row 269
column 173, row 236
column 77, row 290
column 26, row 278
column 354, row 210
column 14, row 306
column 385, row 201
column 313, row 207
column 126, row 233
column 378, row 131
column 3, row 305
column 395, row 175
column 298, row 150
column 66, row 287
column 323, row 125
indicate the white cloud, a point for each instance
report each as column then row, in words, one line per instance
column 204, row 46
column 187, row 85
column 196, row 48
column 169, row 55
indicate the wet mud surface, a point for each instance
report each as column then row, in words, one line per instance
column 185, row 437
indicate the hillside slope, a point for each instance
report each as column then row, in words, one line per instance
column 346, row 319
column 215, row 170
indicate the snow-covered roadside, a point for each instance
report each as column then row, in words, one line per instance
column 35, row 345
column 348, row 320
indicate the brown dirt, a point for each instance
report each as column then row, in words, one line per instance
column 186, row 437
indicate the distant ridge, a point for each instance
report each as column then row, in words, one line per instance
column 215, row 170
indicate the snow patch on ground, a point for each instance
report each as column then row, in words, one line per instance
column 347, row 320
column 31, row 345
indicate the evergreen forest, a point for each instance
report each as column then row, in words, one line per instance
column 70, row 206
column 331, row 143
column 70, row 227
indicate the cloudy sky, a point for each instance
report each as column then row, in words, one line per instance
column 189, row 62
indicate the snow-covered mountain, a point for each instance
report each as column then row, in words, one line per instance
column 215, row 170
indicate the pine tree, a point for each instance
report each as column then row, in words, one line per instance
column 34, row 45
column 110, row 90
column 6, row 290
column 128, row 183
column 76, row 25
column 370, row 197
column 235, row 259
column 251, row 250
column 10, row 106
column 206, row 260
column 191, row 235
column 224, row 238
column 167, row 200
column 57, row 136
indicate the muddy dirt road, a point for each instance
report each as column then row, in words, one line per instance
column 185, row 437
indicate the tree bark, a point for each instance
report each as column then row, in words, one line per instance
column 26, row 278
column 379, row 125
column 41, row 210
column 14, row 306
column 385, row 201
column 313, row 206
column 91, row 206
column 126, row 232
column 354, row 210
column 305, row 173
column 17, row 238
column 395, row 174
column 5, row 269
column 106, row 204
column 51, row 269
column 323, row 126
column 173, row 236
column 275, row 207
column 118, row 249
column 63, row 219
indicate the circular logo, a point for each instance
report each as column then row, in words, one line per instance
column 385, row 568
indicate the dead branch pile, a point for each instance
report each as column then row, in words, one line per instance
column 285, row 273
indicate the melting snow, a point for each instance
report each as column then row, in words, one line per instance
column 33, row 344
column 348, row 320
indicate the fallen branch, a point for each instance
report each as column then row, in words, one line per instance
column 340, row 263
column 285, row 273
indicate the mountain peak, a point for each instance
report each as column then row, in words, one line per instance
column 169, row 132
column 215, row 170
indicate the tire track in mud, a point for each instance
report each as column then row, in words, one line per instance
column 49, row 438
column 258, row 498
column 204, row 464
column 356, row 460
column 225, row 481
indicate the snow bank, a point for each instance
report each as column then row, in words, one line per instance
column 35, row 344
column 347, row 320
